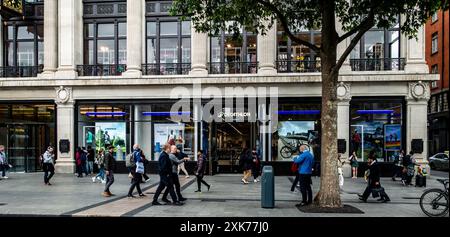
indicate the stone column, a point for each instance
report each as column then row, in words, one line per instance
column 51, row 38
column 416, row 121
column 415, row 53
column 70, row 38
column 134, row 38
column 65, row 130
column 199, row 53
column 342, row 47
column 343, row 123
column 267, row 51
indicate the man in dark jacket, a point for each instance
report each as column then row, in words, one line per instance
column 175, row 180
column 200, row 171
column 373, row 182
column 110, row 166
column 408, row 169
column 165, row 175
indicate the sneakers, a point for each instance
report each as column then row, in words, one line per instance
column 142, row 195
column 244, row 181
column 177, row 203
column 5, row 177
column 130, row 196
column 103, row 181
column 255, row 181
column 93, row 179
column 106, row 194
column 198, row 191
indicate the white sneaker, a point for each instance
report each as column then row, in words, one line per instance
column 103, row 181
column 93, row 179
column 255, row 181
column 5, row 177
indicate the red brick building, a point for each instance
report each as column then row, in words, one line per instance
column 438, row 57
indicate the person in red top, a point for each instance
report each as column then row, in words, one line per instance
column 78, row 162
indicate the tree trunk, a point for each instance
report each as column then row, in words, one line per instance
column 328, row 195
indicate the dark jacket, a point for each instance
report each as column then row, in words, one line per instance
column 246, row 160
column 407, row 160
column 374, row 175
column 165, row 165
column 91, row 155
column 201, row 165
column 110, row 162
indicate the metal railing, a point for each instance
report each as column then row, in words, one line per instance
column 232, row 67
column 101, row 70
column 378, row 64
column 286, row 66
column 21, row 71
column 166, row 68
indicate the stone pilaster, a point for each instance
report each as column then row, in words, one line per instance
column 51, row 38
column 70, row 38
column 267, row 51
column 415, row 53
column 199, row 53
column 65, row 129
column 134, row 38
column 343, row 122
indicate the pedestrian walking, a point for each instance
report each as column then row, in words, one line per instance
column 182, row 155
column 354, row 164
column 373, row 183
column 4, row 165
column 256, row 165
column 175, row 179
column 136, row 172
column 398, row 165
column 90, row 160
column 246, row 162
column 100, row 160
column 408, row 169
column 48, row 162
column 340, row 172
column 201, row 166
column 306, row 163
column 79, row 169
column 165, row 175
column 110, row 166
column 84, row 160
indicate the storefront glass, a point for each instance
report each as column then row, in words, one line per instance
column 26, row 130
column 376, row 126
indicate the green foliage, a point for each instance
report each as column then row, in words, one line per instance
column 211, row 15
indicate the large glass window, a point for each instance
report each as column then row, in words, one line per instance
column 168, row 46
column 298, row 123
column 230, row 53
column 295, row 57
column 105, row 43
column 377, row 127
column 24, row 49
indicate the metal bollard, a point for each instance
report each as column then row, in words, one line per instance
column 267, row 188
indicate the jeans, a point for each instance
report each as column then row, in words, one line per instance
column 305, row 188
column 176, row 182
column 200, row 181
column 136, row 183
column 3, row 168
column 101, row 173
column 90, row 167
column 48, row 167
column 109, row 181
column 297, row 177
column 165, row 181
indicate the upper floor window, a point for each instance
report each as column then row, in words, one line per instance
column 434, row 17
column 434, row 43
column 105, row 38
column 434, row 70
column 295, row 57
column 168, row 46
column 231, row 53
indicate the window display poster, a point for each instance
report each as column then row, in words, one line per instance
column 114, row 134
column 392, row 137
column 373, row 138
column 293, row 133
column 168, row 133
column 89, row 136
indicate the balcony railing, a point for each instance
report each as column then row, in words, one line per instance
column 101, row 70
column 233, row 67
column 286, row 66
column 166, row 68
column 378, row 64
column 21, row 71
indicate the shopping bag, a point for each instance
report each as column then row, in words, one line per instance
column 140, row 167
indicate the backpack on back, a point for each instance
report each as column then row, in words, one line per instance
column 129, row 160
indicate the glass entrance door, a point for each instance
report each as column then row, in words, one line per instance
column 24, row 144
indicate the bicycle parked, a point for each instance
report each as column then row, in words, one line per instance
column 434, row 202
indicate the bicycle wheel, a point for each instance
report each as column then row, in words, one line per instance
column 286, row 152
column 434, row 203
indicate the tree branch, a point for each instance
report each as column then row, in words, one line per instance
column 354, row 30
column 285, row 25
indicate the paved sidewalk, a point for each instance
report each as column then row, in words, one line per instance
column 25, row 194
